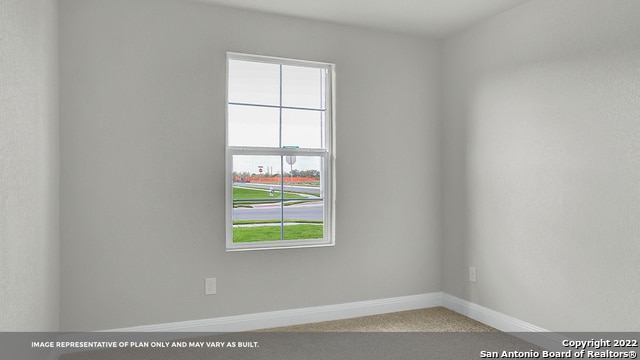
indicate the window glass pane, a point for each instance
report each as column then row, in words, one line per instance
column 257, row 199
column 303, row 211
column 302, row 174
column 258, row 172
column 253, row 126
column 254, row 82
column 303, row 87
column 303, row 128
column 258, row 223
column 303, row 219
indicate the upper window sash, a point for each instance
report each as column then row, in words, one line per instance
column 280, row 123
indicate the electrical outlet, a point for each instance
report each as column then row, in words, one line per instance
column 472, row 274
column 210, row 286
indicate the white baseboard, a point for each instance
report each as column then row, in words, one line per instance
column 505, row 323
column 295, row 316
column 262, row 320
column 487, row 316
column 271, row 319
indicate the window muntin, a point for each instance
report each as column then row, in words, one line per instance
column 279, row 156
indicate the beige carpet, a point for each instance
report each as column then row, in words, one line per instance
column 436, row 319
column 433, row 333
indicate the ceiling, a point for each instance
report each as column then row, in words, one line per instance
column 432, row 18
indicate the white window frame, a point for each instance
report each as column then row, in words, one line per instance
column 327, row 154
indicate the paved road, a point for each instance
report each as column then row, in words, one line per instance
column 308, row 211
column 294, row 188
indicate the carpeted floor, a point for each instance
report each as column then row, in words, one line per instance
column 433, row 333
column 436, row 319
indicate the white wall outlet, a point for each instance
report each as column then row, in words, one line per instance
column 210, row 286
column 472, row 274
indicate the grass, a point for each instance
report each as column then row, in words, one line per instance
column 240, row 193
column 272, row 233
column 275, row 221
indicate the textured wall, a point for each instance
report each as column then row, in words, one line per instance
column 142, row 149
column 542, row 164
column 29, row 246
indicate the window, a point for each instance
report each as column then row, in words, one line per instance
column 279, row 153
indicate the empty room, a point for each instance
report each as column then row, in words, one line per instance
column 227, row 166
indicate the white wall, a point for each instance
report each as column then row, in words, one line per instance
column 142, row 149
column 29, row 242
column 542, row 164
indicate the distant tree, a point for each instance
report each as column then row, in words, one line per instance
column 241, row 176
column 310, row 173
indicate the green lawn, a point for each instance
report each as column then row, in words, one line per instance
column 271, row 233
column 275, row 221
column 240, row 193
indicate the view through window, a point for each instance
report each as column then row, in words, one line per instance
column 279, row 158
